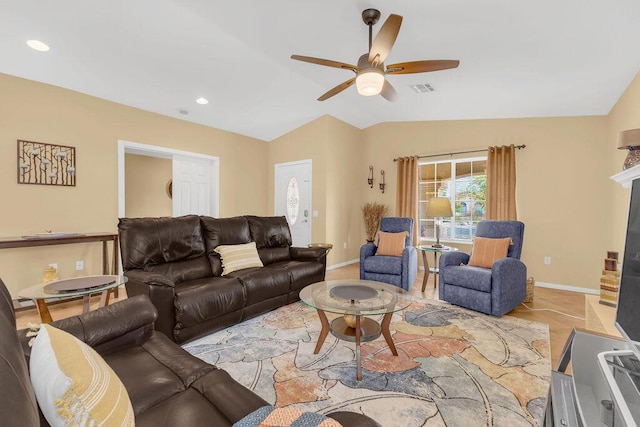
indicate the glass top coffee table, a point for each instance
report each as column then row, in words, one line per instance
column 83, row 286
column 353, row 300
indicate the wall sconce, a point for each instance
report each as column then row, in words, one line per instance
column 370, row 179
column 382, row 183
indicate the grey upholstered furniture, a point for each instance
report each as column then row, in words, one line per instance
column 494, row 291
column 395, row 270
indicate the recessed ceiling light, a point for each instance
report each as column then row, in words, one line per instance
column 183, row 111
column 38, row 45
column 202, row 101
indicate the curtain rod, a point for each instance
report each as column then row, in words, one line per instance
column 519, row 147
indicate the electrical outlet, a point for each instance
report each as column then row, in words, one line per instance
column 345, row 245
column 79, row 265
column 547, row 260
column 54, row 265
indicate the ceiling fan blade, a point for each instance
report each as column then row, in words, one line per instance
column 336, row 90
column 325, row 62
column 421, row 66
column 388, row 92
column 385, row 39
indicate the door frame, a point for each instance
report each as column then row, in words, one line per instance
column 129, row 147
column 275, row 181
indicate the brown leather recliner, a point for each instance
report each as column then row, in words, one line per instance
column 173, row 262
column 167, row 386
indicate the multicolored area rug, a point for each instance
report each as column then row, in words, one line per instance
column 454, row 367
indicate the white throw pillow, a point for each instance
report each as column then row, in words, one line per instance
column 238, row 257
column 74, row 386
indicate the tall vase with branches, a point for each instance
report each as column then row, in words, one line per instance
column 372, row 213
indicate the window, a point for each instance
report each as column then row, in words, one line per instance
column 464, row 181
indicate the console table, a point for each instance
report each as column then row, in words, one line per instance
column 19, row 242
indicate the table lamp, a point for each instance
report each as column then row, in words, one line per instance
column 438, row 208
column 630, row 140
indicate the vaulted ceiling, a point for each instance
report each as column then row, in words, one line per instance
column 517, row 58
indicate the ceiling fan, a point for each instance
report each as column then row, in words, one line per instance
column 370, row 70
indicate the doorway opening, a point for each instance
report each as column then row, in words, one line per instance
column 194, row 179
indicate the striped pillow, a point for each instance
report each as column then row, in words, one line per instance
column 74, row 385
column 486, row 251
column 238, row 257
column 391, row 244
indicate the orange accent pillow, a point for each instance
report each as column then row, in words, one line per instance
column 486, row 251
column 391, row 244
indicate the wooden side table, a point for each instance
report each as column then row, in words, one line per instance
column 435, row 270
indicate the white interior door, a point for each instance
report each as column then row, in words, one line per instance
column 293, row 199
column 191, row 186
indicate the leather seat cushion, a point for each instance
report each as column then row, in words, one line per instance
column 383, row 264
column 465, row 276
column 199, row 300
column 183, row 270
column 262, row 283
column 188, row 408
column 152, row 241
column 302, row 273
column 147, row 379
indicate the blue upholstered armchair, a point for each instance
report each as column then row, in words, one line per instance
column 400, row 271
column 494, row 291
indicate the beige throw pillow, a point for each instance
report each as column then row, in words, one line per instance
column 238, row 257
column 391, row 244
column 486, row 251
column 74, row 385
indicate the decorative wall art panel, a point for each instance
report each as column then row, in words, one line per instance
column 46, row 164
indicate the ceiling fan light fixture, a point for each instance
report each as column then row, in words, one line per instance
column 370, row 81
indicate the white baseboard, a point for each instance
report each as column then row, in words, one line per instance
column 342, row 264
column 568, row 288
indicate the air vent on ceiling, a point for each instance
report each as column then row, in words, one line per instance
column 422, row 88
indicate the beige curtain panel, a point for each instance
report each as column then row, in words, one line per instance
column 501, row 183
column 407, row 191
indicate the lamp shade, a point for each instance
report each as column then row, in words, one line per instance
column 369, row 82
column 438, row 207
column 629, row 138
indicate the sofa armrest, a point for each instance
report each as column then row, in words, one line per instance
column 508, row 285
column 452, row 258
column 161, row 291
column 121, row 323
column 148, row 278
column 308, row 254
column 366, row 250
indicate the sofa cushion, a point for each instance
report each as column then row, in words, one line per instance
column 486, row 251
column 171, row 369
column 302, row 273
column 183, row 270
column 271, row 255
column 188, row 408
column 383, row 264
column 238, row 257
column 263, row 283
column 223, row 231
column 74, row 385
column 199, row 300
column 151, row 241
column 272, row 237
column 469, row 277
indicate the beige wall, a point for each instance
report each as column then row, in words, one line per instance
column 146, row 181
column 625, row 115
column 39, row 112
column 334, row 147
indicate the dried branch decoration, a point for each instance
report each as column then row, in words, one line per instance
column 372, row 213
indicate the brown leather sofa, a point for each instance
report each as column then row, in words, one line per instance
column 167, row 386
column 173, row 262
